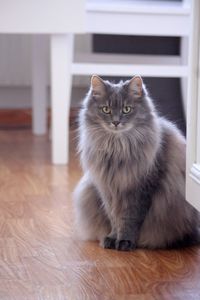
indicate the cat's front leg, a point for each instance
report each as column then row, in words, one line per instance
column 122, row 236
column 131, row 214
column 128, row 232
column 109, row 241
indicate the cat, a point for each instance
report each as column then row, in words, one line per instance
column 132, row 193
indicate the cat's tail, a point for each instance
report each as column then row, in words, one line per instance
column 188, row 240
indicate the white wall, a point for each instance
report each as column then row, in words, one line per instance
column 15, row 68
column 15, row 61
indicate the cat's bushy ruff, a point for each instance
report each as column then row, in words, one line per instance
column 132, row 193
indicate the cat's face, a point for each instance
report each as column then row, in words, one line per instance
column 117, row 107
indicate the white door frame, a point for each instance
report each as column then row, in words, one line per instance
column 193, row 119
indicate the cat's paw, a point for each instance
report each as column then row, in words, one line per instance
column 124, row 245
column 109, row 243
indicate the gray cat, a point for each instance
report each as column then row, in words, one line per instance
column 132, row 193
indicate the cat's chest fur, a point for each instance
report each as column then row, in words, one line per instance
column 112, row 162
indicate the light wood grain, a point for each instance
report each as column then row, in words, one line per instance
column 40, row 257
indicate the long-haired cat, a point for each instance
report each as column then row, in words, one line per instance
column 132, row 193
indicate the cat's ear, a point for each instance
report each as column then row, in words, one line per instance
column 97, row 85
column 135, row 86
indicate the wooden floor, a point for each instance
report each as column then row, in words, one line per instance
column 40, row 258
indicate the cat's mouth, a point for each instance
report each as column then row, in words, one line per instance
column 119, row 128
column 116, row 129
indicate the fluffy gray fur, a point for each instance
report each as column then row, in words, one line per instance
column 132, row 193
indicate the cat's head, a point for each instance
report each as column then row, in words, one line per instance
column 117, row 107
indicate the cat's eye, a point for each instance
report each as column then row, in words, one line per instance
column 106, row 109
column 126, row 109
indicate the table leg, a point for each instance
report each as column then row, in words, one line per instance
column 39, row 84
column 61, row 82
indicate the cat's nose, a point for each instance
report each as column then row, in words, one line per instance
column 116, row 123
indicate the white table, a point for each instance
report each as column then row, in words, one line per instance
column 60, row 19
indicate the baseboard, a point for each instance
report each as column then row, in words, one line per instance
column 22, row 118
column 20, row 97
